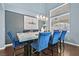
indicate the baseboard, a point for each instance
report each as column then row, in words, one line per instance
column 7, row 45
column 2, row 48
column 71, row 43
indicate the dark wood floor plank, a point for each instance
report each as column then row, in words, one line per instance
column 70, row 50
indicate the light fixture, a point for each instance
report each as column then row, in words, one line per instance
column 37, row 16
column 41, row 17
column 46, row 18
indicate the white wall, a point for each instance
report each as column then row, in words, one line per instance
column 2, row 26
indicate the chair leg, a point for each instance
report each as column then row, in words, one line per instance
column 32, row 51
column 63, row 47
column 52, row 50
column 25, row 50
column 60, row 47
column 57, row 49
column 14, row 52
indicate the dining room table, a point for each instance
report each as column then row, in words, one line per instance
column 28, row 38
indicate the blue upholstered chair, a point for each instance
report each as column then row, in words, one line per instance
column 54, row 39
column 62, row 37
column 42, row 42
column 15, row 41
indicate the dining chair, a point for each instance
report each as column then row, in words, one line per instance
column 62, row 37
column 42, row 42
column 15, row 42
column 54, row 40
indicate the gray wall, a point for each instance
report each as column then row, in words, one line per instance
column 74, row 22
column 13, row 23
column 2, row 26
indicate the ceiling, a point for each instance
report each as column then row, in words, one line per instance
column 31, row 8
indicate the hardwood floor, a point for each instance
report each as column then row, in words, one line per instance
column 69, row 50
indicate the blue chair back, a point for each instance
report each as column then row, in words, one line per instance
column 63, row 35
column 13, row 39
column 43, row 40
column 55, row 37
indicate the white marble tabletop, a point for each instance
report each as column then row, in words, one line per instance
column 27, row 36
